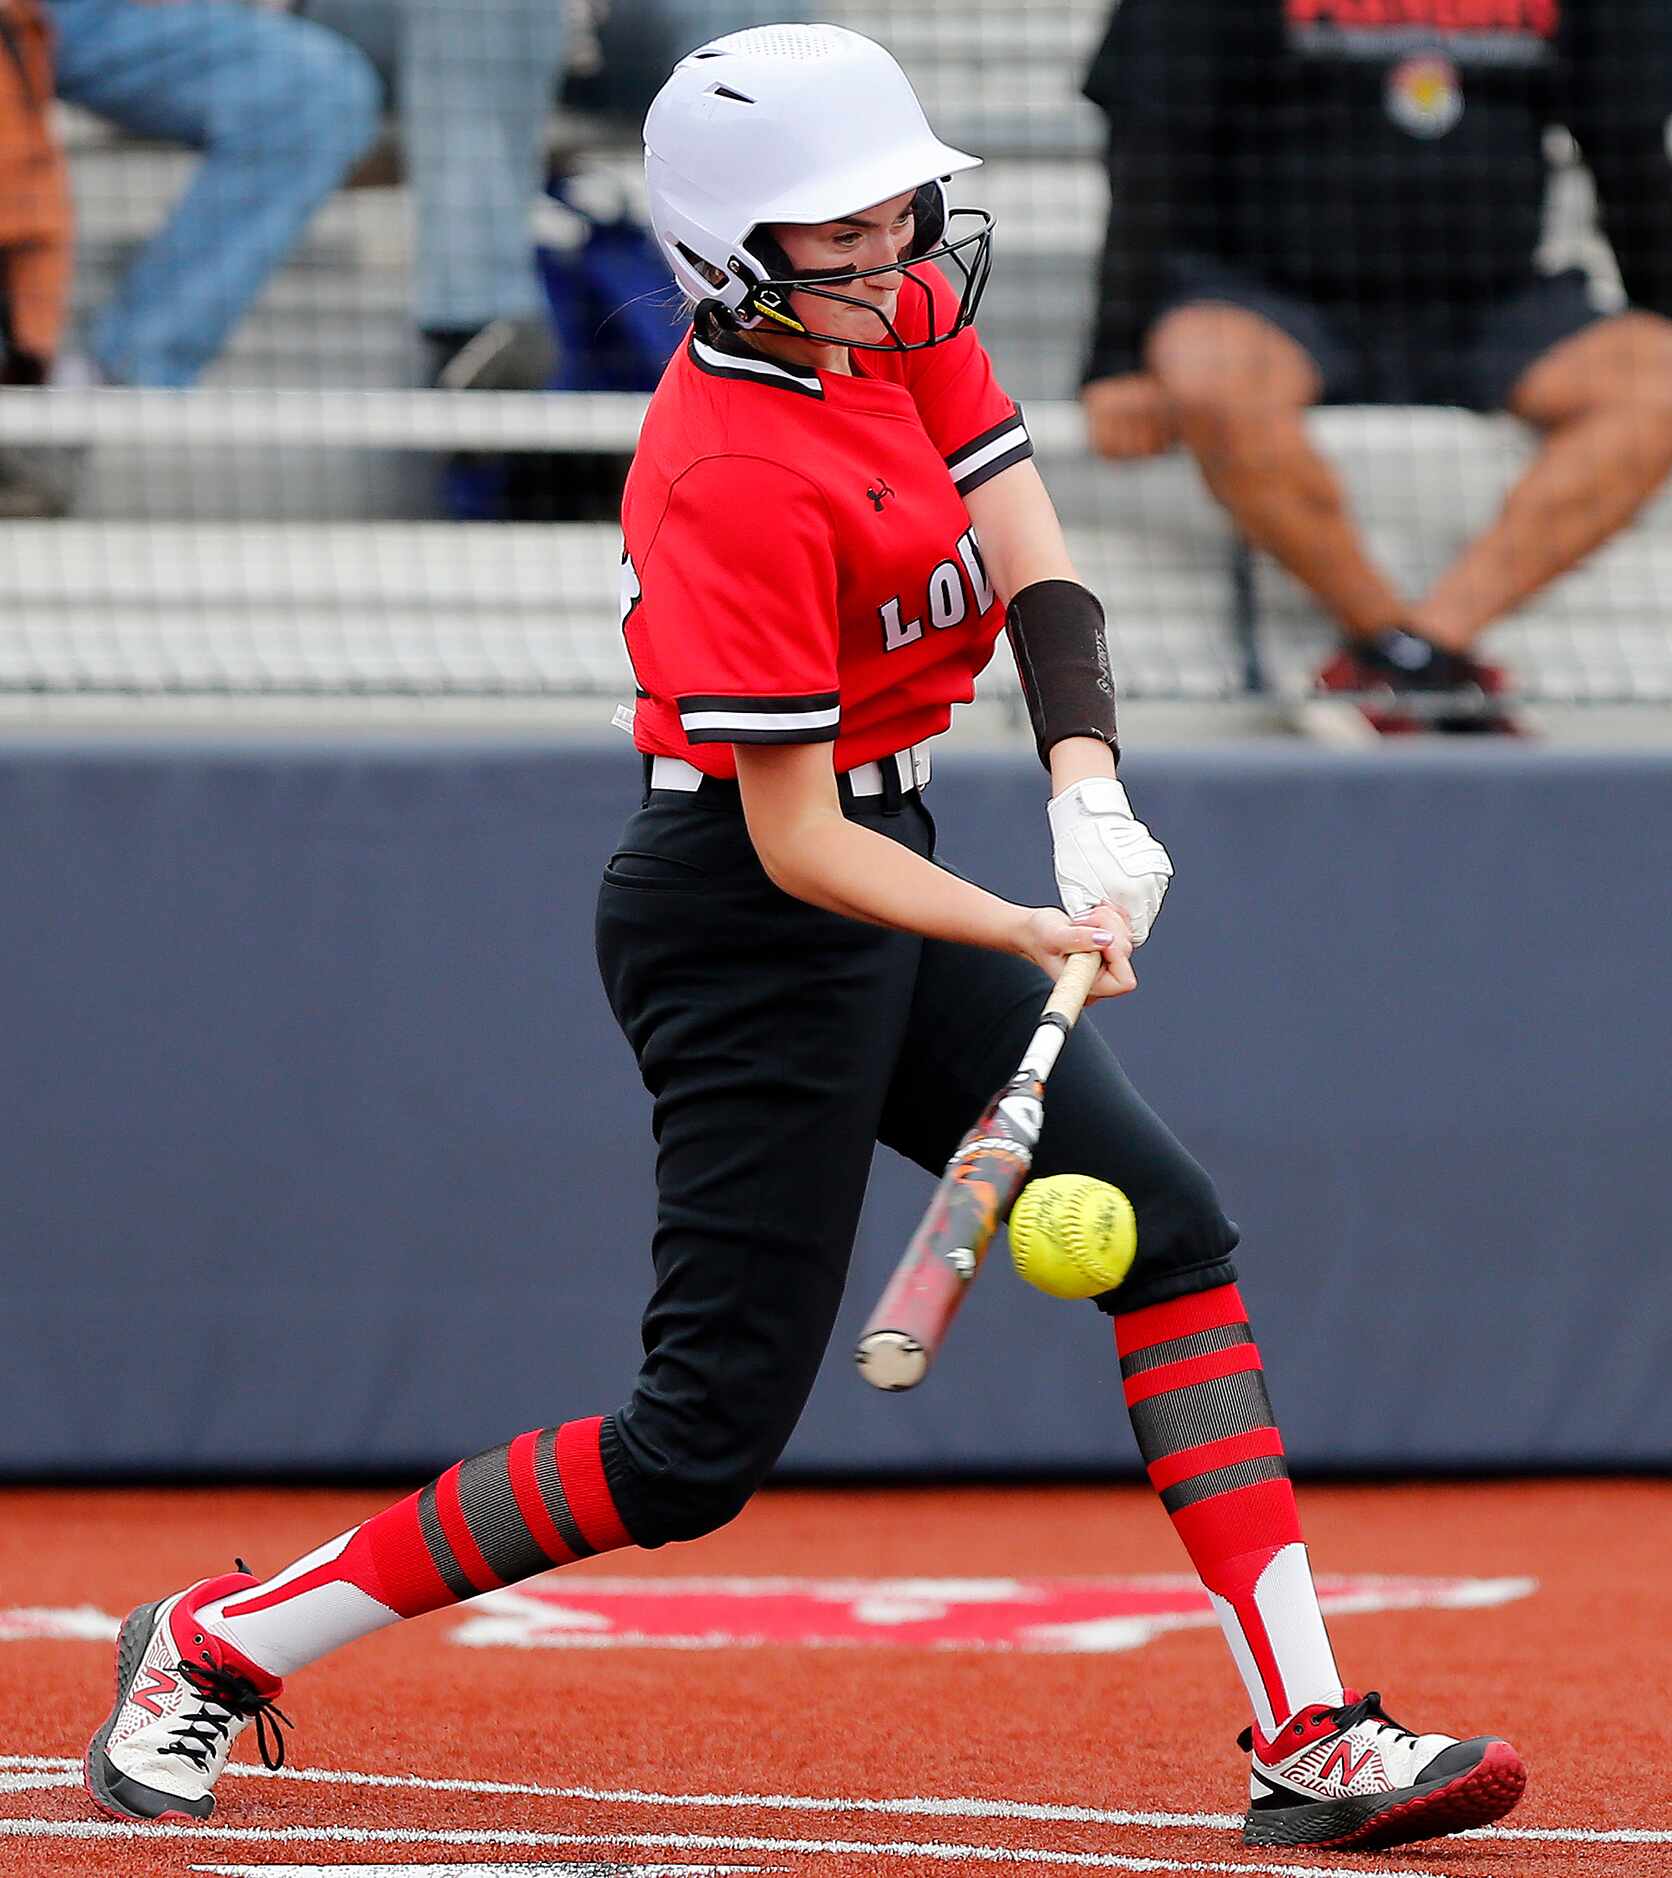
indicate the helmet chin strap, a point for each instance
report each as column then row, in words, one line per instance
column 771, row 307
column 764, row 304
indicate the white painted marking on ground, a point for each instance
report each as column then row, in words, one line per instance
column 923, row 1807
column 936, row 1850
column 484, row 1871
column 1576, row 1835
column 81, row 1623
column 37, row 1782
column 920, row 1806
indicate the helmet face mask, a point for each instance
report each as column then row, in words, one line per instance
column 796, row 126
column 967, row 252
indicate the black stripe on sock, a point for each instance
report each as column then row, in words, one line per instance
column 557, row 1501
column 1224, row 1480
column 442, row 1556
column 1176, row 1349
column 489, row 1504
column 1204, row 1411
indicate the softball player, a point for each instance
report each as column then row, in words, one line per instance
column 831, row 515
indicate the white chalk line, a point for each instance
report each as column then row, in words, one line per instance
column 55, row 1768
column 614, row 1869
column 939, row 1851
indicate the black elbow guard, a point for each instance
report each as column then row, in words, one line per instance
column 1062, row 658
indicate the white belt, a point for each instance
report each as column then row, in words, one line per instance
column 911, row 766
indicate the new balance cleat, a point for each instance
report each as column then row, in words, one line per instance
column 1352, row 1777
column 183, row 1696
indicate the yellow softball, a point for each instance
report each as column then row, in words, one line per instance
column 1072, row 1236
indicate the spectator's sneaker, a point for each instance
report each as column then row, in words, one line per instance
column 505, row 355
column 1349, row 1776
column 1398, row 684
column 183, row 1697
column 39, row 484
column 1490, row 716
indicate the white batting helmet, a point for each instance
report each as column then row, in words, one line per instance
column 800, row 124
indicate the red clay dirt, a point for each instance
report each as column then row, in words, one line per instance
column 688, row 1756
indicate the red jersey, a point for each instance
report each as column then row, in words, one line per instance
column 799, row 566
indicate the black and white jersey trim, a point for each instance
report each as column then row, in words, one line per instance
column 812, row 718
column 983, row 457
column 752, row 367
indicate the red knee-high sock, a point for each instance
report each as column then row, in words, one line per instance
column 539, row 1501
column 1197, row 1397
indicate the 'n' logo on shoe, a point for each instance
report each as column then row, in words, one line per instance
column 162, row 1683
column 1341, row 1760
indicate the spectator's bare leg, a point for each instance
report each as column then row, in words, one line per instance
column 1604, row 401
column 1239, row 387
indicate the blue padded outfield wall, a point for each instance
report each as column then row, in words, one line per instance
column 319, row 1149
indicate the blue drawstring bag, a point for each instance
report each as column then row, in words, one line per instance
column 614, row 306
column 616, row 317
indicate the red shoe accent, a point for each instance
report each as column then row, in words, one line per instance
column 197, row 1645
column 1485, row 1793
column 1304, row 1726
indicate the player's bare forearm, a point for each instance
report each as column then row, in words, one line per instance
column 847, row 868
column 1076, row 758
column 810, row 849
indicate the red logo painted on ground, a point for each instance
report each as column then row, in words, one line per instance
column 1092, row 1616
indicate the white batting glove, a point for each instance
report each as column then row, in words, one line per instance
column 1103, row 852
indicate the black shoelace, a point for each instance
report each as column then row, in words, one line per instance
column 1369, row 1708
column 226, row 1694
column 1366, row 1708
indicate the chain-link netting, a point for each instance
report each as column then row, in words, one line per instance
column 342, row 396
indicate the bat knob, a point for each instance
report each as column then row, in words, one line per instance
column 891, row 1359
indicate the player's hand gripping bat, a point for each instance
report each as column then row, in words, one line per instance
column 987, row 1172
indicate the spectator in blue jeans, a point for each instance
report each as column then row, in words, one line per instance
column 475, row 81
column 280, row 108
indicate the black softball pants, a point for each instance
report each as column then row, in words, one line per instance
column 780, row 1043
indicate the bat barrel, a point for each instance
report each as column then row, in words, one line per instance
column 891, row 1359
column 905, row 1330
column 985, row 1174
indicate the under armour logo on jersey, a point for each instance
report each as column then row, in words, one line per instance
column 879, row 492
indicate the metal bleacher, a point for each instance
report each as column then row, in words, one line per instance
column 246, row 539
